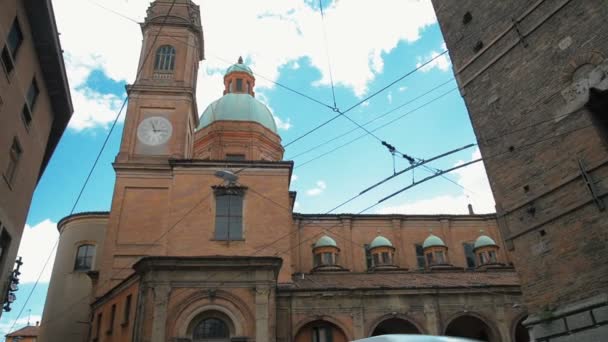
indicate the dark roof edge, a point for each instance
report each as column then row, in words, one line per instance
column 396, row 216
column 81, row 215
column 41, row 18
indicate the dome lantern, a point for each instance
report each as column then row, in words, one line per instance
column 435, row 251
column 325, row 254
column 486, row 250
column 382, row 253
column 239, row 79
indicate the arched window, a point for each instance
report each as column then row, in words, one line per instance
column 210, row 328
column 165, row 58
column 84, row 258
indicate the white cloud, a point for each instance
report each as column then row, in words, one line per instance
column 271, row 34
column 365, row 104
column 92, row 108
column 389, row 97
column 442, row 62
column 402, row 89
column 294, row 177
column 318, row 189
column 36, row 245
column 472, row 177
column 296, row 205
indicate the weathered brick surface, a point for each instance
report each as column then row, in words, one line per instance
column 525, row 100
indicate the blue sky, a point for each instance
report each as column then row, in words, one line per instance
column 282, row 41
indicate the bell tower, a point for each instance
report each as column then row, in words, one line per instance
column 162, row 111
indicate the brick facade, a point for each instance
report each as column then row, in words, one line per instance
column 525, row 70
column 162, row 248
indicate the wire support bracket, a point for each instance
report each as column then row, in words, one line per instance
column 591, row 185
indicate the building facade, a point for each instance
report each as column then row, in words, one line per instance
column 534, row 77
column 28, row 333
column 35, row 107
column 201, row 242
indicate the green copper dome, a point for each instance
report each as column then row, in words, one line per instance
column 380, row 241
column 240, row 107
column 325, row 241
column 484, row 241
column 433, row 241
column 239, row 66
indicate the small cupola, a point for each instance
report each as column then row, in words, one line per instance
column 435, row 251
column 486, row 250
column 325, row 254
column 239, row 79
column 382, row 253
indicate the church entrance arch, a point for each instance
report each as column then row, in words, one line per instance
column 320, row 331
column 471, row 327
column 395, row 326
column 211, row 326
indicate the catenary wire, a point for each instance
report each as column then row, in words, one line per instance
column 331, row 77
column 374, row 119
column 375, row 204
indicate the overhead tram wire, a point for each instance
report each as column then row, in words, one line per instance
column 521, row 148
column 331, row 77
column 374, row 119
column 347, row 239
column 377, row 128
column 335, row 109
column 103, row 146
column 368, row 208
column 343, row 113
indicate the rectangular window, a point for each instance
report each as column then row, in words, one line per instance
column 229, row 216
column 15, row 38
column 420, row 256
column 235, row 157
column 84, row 258
column 13, row 161
column 112, row 318
column 317, row 260
column 5, row 243
column 239, row 84
column 368, row 257
column 7, row 62
column 492, row 257
column 469, row 254
column 322, row 334
column 376, row 259
column 429, row 259
column 127, row 311
column 328, row 259
column 30, row 100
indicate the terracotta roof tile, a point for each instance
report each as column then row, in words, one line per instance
column 28, row 331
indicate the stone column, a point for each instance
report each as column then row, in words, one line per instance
column 159, row 316
column 261, row 313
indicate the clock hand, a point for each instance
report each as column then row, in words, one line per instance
column 153, row 127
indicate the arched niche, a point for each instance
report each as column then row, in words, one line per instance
column 471, row 325
column 320, row 330
column 395, row 325
column 211, row 326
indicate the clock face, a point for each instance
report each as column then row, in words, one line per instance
column 154, row 130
